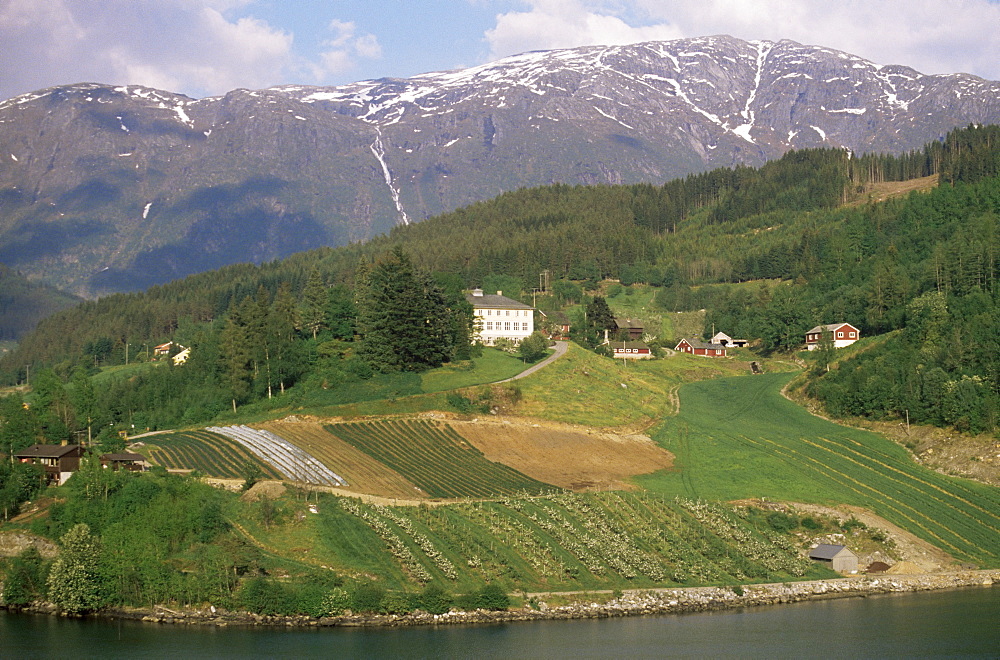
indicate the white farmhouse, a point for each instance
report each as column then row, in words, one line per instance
column 500, row 317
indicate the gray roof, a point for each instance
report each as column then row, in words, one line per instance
column 697, row 343
column 122, row 456
column 829, row 327
column 620, row 345
column 494, row 302
column 46, row 451
column 827, row 551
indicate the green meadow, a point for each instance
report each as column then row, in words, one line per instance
column 737, row 438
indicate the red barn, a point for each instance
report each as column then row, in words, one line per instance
column 698, row 347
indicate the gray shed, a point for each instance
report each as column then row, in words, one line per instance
column 840, row 558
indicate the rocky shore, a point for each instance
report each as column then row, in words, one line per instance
column 630, row 603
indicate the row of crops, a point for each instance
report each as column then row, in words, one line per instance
column 209, row 453
column 435, row 458
column 290, row 460
column 568, row 540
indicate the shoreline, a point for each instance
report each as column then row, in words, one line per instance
column 633, row 602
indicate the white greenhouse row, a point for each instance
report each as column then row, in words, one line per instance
column 290, row 460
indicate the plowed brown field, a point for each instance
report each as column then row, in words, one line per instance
column 565, row 455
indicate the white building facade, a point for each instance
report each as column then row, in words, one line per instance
column 500, row 317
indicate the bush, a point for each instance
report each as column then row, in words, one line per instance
column 492, row 597
column 264, row 596
column 367, row 598
column 336, row 602
column 396, row 603
column 25, row 580
column 460, row 403
column 311, row 599
column 782, row 522
column 434, row 600
column 533, row 347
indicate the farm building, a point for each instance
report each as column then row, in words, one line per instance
column 698, row 347
column 59, row 461
column 725, row 340
column 633, row 327
column 634, row 350
column 839, row 557
column 182, row 357
column 842, row 334
column 556, row 324
column 500, row 317
column 124, row 461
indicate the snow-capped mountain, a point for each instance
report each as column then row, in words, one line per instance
column 109, row 188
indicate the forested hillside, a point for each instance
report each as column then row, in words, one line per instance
column 924, row 265
column 23, row 303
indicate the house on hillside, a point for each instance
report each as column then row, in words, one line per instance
column 557, row 325
column 842, row 334
column 632, row 350
column 500, row 317
column 838, row 557
column 698, row 347
column 725, row 340
column 162, row 349
column 633, row 327
column 182, row 357
column 124, row 461
column 58, row 461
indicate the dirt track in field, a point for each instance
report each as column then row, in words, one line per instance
column 564, row 455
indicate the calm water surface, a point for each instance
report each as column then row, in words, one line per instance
column 960, row 623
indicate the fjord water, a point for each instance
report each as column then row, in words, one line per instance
column 958, row 623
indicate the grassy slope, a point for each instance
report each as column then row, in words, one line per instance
column 491, row 366
column 738, row 437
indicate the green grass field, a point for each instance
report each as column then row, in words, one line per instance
column 491, row 366
column 739, row 438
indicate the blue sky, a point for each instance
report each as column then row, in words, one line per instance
column 207, row 47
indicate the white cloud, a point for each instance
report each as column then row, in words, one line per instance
column 566, row 24
column 928, row 35
column 184, row 45
column 344, row 48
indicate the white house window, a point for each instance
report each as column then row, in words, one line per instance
column 489, row 325
column 507, row 325
column 840, row 335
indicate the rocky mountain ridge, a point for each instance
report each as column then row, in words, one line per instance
column 106, row 188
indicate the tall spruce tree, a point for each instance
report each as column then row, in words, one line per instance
column 403, row 317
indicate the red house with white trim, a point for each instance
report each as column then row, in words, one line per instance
column 842, row 334
column 634, row 350
column 698, row 347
